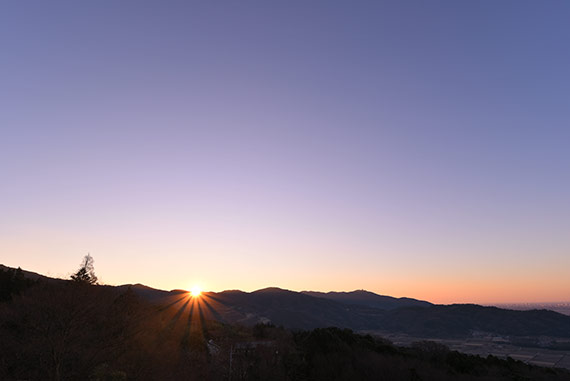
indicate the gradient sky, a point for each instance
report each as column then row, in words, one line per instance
column 409, row 148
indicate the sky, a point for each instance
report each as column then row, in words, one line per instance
column 409, row 148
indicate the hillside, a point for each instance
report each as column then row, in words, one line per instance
column 369, row 299
column 74, row 331
column 357, row 310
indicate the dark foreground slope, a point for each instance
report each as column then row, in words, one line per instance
column 71, row 331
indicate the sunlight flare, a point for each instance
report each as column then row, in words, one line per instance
column 195, row 291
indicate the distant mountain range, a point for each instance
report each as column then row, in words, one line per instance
column 562, row 307
column 369, row 299
column 359, row 310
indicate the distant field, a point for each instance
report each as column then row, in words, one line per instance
column 563, row 307
column 489, row 345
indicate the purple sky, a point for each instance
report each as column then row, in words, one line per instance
column 409, row 148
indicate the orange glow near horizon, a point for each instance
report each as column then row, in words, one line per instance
column 492, row 285
column 435, row 288
column 439, row 291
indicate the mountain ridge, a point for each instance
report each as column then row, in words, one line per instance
column 357, row 310
column 369, row 299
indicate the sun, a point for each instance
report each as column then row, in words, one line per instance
column 195, row 291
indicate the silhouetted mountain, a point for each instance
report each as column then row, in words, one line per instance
column 145, row 292
column 288, row 308
column 358, row 310
column 461, row 320
column 369, row 299
column 302, row 311
column 70, row 330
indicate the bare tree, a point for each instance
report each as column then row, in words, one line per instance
column 86, row 272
